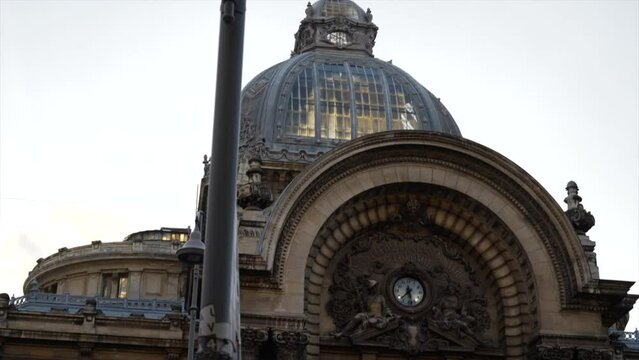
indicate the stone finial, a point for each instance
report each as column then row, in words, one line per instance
column 309, row 10
column 581, row 219
column 207, row 165
column 368, row 16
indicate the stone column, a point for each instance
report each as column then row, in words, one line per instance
column 93, row 285
column 134, row 291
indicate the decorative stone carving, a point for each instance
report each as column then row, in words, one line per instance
column 369, row 16
column 176, row 317
column 252, row 340
column 335, row 32
column 309, row 10
column 377, row 314
column 255, row 194
column 452, row 313
column 581, row 219
column 291, row 345
column 89, row 310
column 557, row 352
column 270, row 344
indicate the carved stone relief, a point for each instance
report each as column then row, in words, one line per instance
column 450, row 307
column 313, row 33
column 569, row 353
column 270, row 344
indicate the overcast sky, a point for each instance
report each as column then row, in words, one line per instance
column 106, row 107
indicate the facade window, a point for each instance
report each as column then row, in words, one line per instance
column 51, row 289
column 115, row 285
column 182, row 237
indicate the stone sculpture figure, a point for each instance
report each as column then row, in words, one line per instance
column 573, row 200
column 449, row 314
column 377, row 315
column 581, row 219
column 309, row 10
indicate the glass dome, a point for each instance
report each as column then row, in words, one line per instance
column 345, row 101
column 332, row 90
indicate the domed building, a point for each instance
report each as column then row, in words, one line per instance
column 368, row 228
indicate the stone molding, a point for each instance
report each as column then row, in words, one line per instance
column 557, row 352
column 156, row 250
column 382, row 159
column 425, row 149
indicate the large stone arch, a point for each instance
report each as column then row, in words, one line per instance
column 297, row 243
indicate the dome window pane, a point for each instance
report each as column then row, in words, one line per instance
column 404, row 115
column 369, row 99
column 300, row 118
column 335, row 104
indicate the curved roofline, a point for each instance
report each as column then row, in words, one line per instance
column 485, row 166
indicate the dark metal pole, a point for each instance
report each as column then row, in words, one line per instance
column 195, row 280
column 219, row 314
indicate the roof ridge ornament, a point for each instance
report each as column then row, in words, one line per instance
column 336, row 24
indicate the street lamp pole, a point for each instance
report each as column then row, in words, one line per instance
column 192, row 253
column 193, row 311
column 219, row 314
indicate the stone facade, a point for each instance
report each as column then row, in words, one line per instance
column 393, row 243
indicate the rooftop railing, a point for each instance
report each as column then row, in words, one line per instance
column 47, row 302
column 629, row 336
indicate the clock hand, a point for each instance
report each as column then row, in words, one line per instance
column 408, row 291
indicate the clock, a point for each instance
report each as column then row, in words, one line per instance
column 408, row 291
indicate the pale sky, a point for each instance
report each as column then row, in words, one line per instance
column 106, row 107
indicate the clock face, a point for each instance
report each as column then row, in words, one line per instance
column 408, row 291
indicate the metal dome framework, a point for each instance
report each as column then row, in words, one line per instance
column 332, row 90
